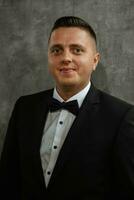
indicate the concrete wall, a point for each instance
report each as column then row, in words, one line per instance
column 24, row 29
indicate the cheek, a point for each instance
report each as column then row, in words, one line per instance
column 52, row 68
column 85, row 68
column 84, row 64
column 53, row 62
column 50, row 60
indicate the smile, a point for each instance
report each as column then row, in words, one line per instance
column 67, row 70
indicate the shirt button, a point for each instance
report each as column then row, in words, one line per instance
column 55, row 147
column 48, row 172
column 61, row 122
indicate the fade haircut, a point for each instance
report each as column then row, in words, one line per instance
column 72, row 21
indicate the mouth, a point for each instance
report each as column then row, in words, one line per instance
column 67, row 70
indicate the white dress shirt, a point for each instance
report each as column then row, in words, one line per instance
column 55, row 131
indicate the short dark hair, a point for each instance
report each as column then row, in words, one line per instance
column 72, row 21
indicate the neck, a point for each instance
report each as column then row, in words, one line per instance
column 67, row 92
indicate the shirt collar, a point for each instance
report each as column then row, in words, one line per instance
column 79, row 96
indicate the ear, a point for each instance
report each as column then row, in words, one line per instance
column 96, row 60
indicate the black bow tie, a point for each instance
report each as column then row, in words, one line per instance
column 71, row 106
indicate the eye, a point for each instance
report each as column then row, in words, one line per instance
column 56, row 50
column 77, row 50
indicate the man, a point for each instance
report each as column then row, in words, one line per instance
column 74, row 141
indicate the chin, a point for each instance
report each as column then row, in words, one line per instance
column 68, row 83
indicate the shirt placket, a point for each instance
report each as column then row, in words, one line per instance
column 56, row 145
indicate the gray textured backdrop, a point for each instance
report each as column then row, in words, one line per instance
column 24, row 29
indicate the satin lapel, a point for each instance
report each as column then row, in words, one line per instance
column 88, row 111
column 39, row 115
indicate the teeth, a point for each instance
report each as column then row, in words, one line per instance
column 66, row 69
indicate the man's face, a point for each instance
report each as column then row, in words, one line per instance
column 72, row 57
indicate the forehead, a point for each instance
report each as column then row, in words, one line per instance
column 70, row 35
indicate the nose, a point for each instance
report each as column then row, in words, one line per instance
column 67, row 57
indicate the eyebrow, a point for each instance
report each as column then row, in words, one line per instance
column 77, row 45
column 71, row 45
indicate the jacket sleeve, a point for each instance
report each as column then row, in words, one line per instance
column 9, row 163
column 124, row 157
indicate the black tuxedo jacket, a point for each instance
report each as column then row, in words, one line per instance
column 96, row 160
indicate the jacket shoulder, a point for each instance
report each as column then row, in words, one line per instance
column 34, row 98
column 113, row 103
